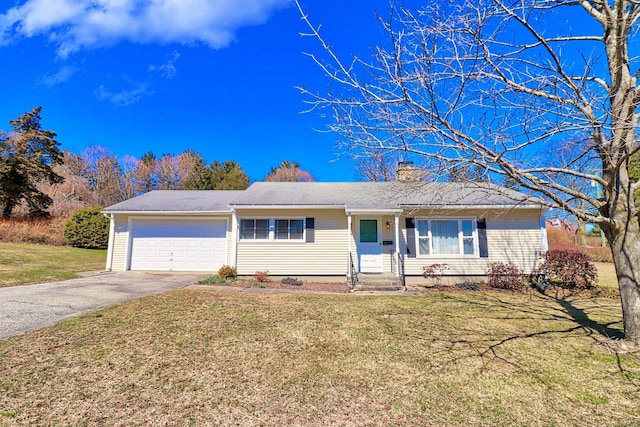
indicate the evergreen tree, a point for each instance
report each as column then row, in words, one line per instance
column 228, row 176
column 199, row 177
column 27, row 157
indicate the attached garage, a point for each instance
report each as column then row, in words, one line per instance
column 178, row 244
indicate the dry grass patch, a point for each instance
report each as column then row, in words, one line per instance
column 22, row 264
column 47, row 231
column 214, row 357
column 607, row 274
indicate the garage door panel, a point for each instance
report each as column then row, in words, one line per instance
column 178, row 245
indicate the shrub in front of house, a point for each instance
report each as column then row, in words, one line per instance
column 506, row 276
column 87, row 228
column 291, row 281
column 261, row 276
column 569, row 269
column 435, row 272
column 227, row 272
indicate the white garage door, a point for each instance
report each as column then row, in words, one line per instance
column 178, row 245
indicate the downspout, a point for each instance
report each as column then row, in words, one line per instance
column 112, row 235
column 349, row 246
column 397, row 245
column 234, row 240
column 543, row 233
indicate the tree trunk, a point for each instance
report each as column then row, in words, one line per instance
column 625, row 248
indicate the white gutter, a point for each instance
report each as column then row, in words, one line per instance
column 373, row 211
column 237, row 207
column 132, row 212
column 473, row 206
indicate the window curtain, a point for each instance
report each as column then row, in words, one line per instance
column 445, row 237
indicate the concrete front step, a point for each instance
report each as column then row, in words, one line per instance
column 378, row 282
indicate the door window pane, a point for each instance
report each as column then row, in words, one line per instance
column 368, row 231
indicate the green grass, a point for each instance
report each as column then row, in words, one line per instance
column 217, row 357
column 22, row 264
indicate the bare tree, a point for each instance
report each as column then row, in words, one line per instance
column 378, row 165
column 73, row 193
column 145, row 173
column 288, row 171
column 166, row 172
column 129, row 169
column 104, row 174
column 494, row 84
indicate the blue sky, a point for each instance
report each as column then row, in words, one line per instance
column 215, row 76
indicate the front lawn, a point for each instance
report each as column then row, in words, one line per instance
column 22, row 264
column 218, row 357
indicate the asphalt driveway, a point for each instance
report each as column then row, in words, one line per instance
column 26, row 308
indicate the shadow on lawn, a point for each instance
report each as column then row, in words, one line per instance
column 582, row 318
column 494, row 348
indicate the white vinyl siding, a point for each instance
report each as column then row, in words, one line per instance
column 120, row 240
column 326, row 255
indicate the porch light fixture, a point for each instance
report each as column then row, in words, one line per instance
column 388, row 225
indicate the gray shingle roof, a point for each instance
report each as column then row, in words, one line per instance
column 178, row 201
column 347, row 195
column 379, row 195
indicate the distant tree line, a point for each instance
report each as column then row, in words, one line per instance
column 39, row 179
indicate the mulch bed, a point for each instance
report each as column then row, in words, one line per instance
column 306, row 286
column 411, row 289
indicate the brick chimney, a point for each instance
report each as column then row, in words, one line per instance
column 408, row 173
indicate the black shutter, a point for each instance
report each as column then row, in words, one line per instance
column 410, row 226
column 482, row 238
column 310, row 225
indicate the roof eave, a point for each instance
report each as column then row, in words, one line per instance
column 471, row 206
column 172, row 212
column 373, row 211
column 266, row 206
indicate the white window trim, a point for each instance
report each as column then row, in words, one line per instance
column 460, row 254
column 272, row 230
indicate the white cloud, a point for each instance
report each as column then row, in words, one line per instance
column 124, row 97
column 167, row 70
column 82, row 24
column 61, row 76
